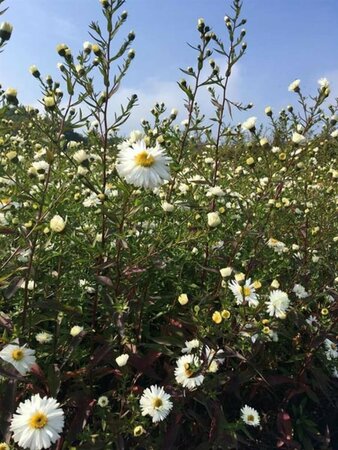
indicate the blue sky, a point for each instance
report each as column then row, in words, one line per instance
column 287, row 39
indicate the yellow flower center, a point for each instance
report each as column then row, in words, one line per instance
column 247, row 291
column 188, row 370
column 4, row 446
column 225, row 314
column 38, row 420
column 250, row 418
column 157, row 402
column 17, row 354
column 143, row 159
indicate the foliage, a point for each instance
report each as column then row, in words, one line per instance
column 119, row 258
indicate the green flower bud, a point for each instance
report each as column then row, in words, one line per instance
column 34, row 71
column 11, row 95
column 61, row 49
column 5, row 31
column 131, row 36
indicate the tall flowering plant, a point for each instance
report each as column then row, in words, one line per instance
column 174, row 287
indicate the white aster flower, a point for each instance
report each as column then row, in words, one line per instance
column 37, row 423
column 312, row 321
column 103, row 401
column 80, row 156
column 278, row 304
column 43, row 337
column 246, row 293
column 298, row 138
column 249, row 124
column 167, row 207
column 331, row 349
column 135, row 135
column 40, row 166
column 294, row 86
column 142, row 166
column 214, row 358
column 278, row 246
column 187, row 371
column 300, row 291
column 323, row 83
column 250, row 416
column 91, row 200
column 21, row 357
column 156, row 403
column 215, row 191
column 191, row 345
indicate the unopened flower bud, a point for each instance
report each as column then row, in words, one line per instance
column 61, row 49
column 131, row 36
column 131, row 54
column 11, row 95
column 34, row 71
column 49, row 102
column 87, row 47
column 213, row 219
column 96, row 49
column 5, row 31
column 57, row 224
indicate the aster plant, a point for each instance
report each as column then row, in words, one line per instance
column 174, row 287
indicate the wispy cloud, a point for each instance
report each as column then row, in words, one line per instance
column 153, row 91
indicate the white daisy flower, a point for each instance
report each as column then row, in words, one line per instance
column 142, row 166
column 21, row 357
column 312, row 321
column 300, row 291
column 276, row 245
column 246, row 293
column 298, row 138
column 278, row 304
column 103, row 401
column 191, row 345
column 323, row 83
column 40, row 166
column 80, row 157
column 43, row 337
column 187, row 371
column 294, row 86
column 215, row 191
column 331, row 349
column 156, row 403
column 249, row 124
column 250, row 416
column 214, row 358
column 37, row 423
